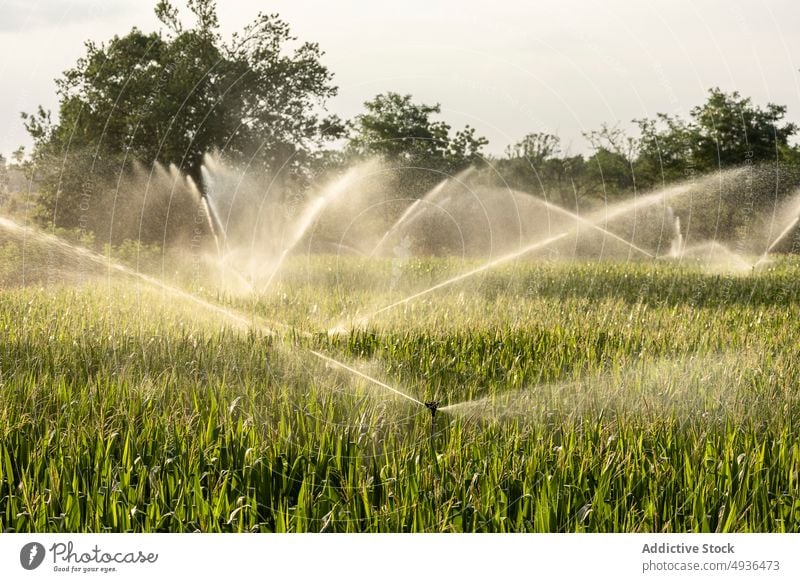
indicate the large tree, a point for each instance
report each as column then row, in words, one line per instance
column 173, row 95
column 727, row 130
column 405, row 135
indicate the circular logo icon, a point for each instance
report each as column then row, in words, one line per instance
column 31, row 555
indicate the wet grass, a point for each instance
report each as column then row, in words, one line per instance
column 582, row 397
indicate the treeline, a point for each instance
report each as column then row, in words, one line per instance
column 260, row 97
column 727, row 131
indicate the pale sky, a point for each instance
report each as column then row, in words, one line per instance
column 507, row 67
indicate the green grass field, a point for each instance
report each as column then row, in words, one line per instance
column 580, row 397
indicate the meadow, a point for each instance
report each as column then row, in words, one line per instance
column 604, row 396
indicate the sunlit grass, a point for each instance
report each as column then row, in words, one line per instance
column 583, row 397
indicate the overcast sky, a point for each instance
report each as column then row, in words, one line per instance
column 507, row 67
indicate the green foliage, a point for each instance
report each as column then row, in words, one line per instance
column 404, row 135
column 172, row 96
column 535, row 165
column 726, row 131
column 608, row 397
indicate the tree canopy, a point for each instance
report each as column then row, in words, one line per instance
column 727, row 130
column 724, row 132
column 259, row 97
column 173, row 95
column 404, row 134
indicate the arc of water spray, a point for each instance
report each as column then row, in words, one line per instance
column 411, row 211
column 230, row 314
column 99, row 259
column 433, row 406
column 305, row 221
column 403, row 217
column 485, row 267
column 362, row 375
column 308, row 218
column 218, row 230
column 211, row 212
column 25, row 231
column 784, row 233
column 619, row 210
column 207, row 210
column 593, row 224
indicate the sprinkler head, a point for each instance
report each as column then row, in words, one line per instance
column 433, row 406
